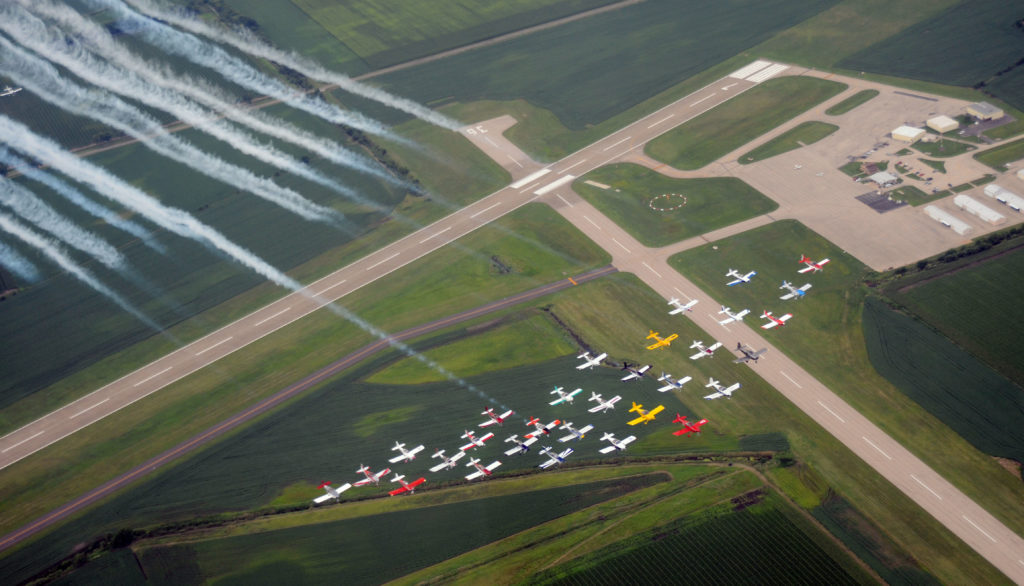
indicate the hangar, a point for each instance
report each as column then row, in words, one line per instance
column 949, row 220
column 942, row 124
column 907, row 133
column 1005, row 196
column 984, row 111
column 973, row 206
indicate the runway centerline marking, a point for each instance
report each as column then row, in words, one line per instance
column 660, row 121
column 620, row 244
column 529, row 187
column 702, row 99
column 650, row 269
column 790, row 379
column 926, row 487
column 151, row 377
column 266, row 319
column 565, row 201
column 514, row 161
column 872, row 444
column 823, row 406
column 208, row 348
column 32, row 437
column 493, row 144
column 983, row 532
column 378, row 263
column 88, row 408
column 432, row 235
column 610, row 147
column 338, row 284
column 592, row 222
column 571, row 166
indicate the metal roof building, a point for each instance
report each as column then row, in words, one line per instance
column 907, row 133
column 942, row 124
column 1005, row 196
column 949, row 220
column 973, row 206
column 984, row 111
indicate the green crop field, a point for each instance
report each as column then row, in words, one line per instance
column 799, row 136
column 733, row 124
column 852, row 102
column 998, row 157
column 710, row 203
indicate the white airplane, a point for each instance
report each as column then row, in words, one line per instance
column 521, row 447
column 616, row 443
column 540, row 428
column 703, row 350
column 589, row 362
column 564, row 397
column 10, row 91
column 602, row 405
column 634, row 372
column 732, row 316
column 748, row 353
column 573, row 432
column 811, row 265
column 474, row 442
column 448, row 463
column 774, row 321
column 738, row 277
column 720, row 391
column 332, row 493
column 406, row 455
column 370, row 476
column 680, row 307
column 481, row 470
column 672, row 383
column 494, row 417
column 794, row 291
column 553, row 458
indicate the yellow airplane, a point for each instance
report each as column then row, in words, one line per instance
column 645, row 415
column 660, row 341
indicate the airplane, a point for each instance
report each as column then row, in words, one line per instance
column 774, row 321
column 634, row 373
column 474, row 442
column 680, row 307
column 407, row 455
column 370, row 476
column 573, row 432
column 720, row 391
column 748, row 353
column 10, row 91
column 522, row 446
column 794, row 291
column 811, row 265
column 687, row 426
column 660, row 341
column 563, row 396
column 448, row 463
column 540, row 427
column 553, row 458
column 671, row 383
column 589, row 362
column 332, row 493
column 732, row 316
column 704, row 350
column 645, row 415
column 494, row 418
column 481, row 470
column 409, row 487
column 739, row 278
column 616, row 443
column 602, row 405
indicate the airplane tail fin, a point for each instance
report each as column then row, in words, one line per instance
column 679, row 419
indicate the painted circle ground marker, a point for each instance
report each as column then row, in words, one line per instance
column 667, row 202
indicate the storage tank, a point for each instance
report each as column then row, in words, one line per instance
column 1005, row 197
column 973, row 206
column 949, row 220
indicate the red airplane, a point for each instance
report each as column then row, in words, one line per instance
column 774, row 321
column 687, row 426
column 540, row 427
column 409, row 487
column 494, row 417
column 811, row 265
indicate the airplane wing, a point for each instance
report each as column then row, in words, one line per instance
column 655, row 411
column 475, row 475
column 416, row 450
column 608, row 449
column 769, row 325
column 397, row 459
column 715, row 346
column 574, row 393
column 362, row 482
column 586, row 429
column 806, row 269
column 679, row 383
column 486, row 437
column 488, row 423
column 443, row 465
column 714, row 395
column 630, row 376
column 698, row 355
column 636, row 421
column 551, row 462
column 569, row 437
column 628, row 440
column 679, row 307
column 734, row 282
column 322, row 498
column 788, row 296
column 556, row 401
column 468, row 446
column 742, row 314
column 728, row 392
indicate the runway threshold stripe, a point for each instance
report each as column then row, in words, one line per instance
column 983, row 532
column 32, row 437
column 928, row 488
column 151, row 377
column 208, row 348
column 87, row 409
column 529, row 178
column 266, row 319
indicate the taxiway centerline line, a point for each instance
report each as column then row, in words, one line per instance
column 872, row 444
column 433, row 235
column 610, row 147
column 823, row 406
column 208, row 348
column 983, row 532
column 791, row 379
column 151, row 377
column 9, row 448
column 660, row 121
column 378, row 263
column 88, row 408
column 266, row 319
column 928, row 488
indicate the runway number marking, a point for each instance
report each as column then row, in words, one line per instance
column 435, row 234
column 790, row 379
column 623, row 247
column 928, row 488
column 151, row 377
column 872, row 444
column 377, row 264
column 478, row 129
column 485, row 209
column 832, row 412
column 649, row 267
column 607, row 148
column 88, row 408
column 207, row 349
column 983, row 532
column 21, row 442
column 265, row 320
column 660, row 121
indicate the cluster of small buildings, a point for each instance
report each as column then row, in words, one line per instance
column 942, row 124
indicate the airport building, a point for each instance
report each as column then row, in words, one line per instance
column 942, row 124
column 1005, row 197
column 973, row 206
column 948, row 220
column 984, row 111
column 907, row 133
column 884, row 179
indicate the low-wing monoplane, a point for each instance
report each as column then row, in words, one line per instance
column 731, row 316
column 405, row 455
column 521, row 445
column 811, row 265
column 748, row 353
column 660, row 341
column 553, row 458
column 616, row 444
column 720, row 390
column 739, row 277
column 371, row 477
column 681, row 307
column 332, row 493
column 687, row 426
column 589, row 362
column 602, row 405
column 446, row 462
column 494, row 418
column 671, row 383
column 10, row 91
column 645, row 415
column 480, row 469
column 702, row 350
column 774, row 321
column 635, row 373
column 574, row 433
column 409, row 487
column 540, row 428
column 474, row 442
column 564, row 397
column 794, row 291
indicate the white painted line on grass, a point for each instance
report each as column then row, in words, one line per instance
column 660, row 121
column 620, row 244
column 565, row 201
column 592, row 222
column 702, row 99
column 151, row 377
column 491, row 207
column 378, row 263
column 983, row 532
column 790, row 379
column 266, row 319
column 926, row 487
column 208, row 348
column 88, row 408
column 339, row 283
column 555, row 184
column 433, row 235
column 7, row 449
column 608, row 148
column 823, row 406
column 872, row 444
column 571, row 166
column 530, row 178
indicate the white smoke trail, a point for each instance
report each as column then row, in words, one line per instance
column 234, row 69
column 42, row 79
column 17, row 264
column 76, row 197
column 54, row 252
column 247, row 42
column 24, row 203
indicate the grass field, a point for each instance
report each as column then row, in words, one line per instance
column 794, row 138
column 710, row 203
column 731, row 125
column 998, row 157
column 943, row 148
column 852, row 102
column 915, row 196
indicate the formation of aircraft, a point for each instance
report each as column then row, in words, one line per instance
column 671, row 383
column 748, row 353
column 371, row 478
column 10, row 91
column 564, row 397
column 495, row 419
column 480, row 469
column 687, row 426
column 602, row 405
column 616, row 444
column 774, row 321
column 405, row 455
column 554, row 459
column 738, row 277
column 645, row 415
column 540, row 428
column 332, row 493
column 811, row 265
column 589, row 362
column 409, row 487
column 732, row 316
column 521, row 447
column 681, row 307
column 474, row 442
column 703, row 350
column 660, row 341
column 448, row 463
column 574, row 434
column 634, row 372
column 720, row 391
column 794, row 292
